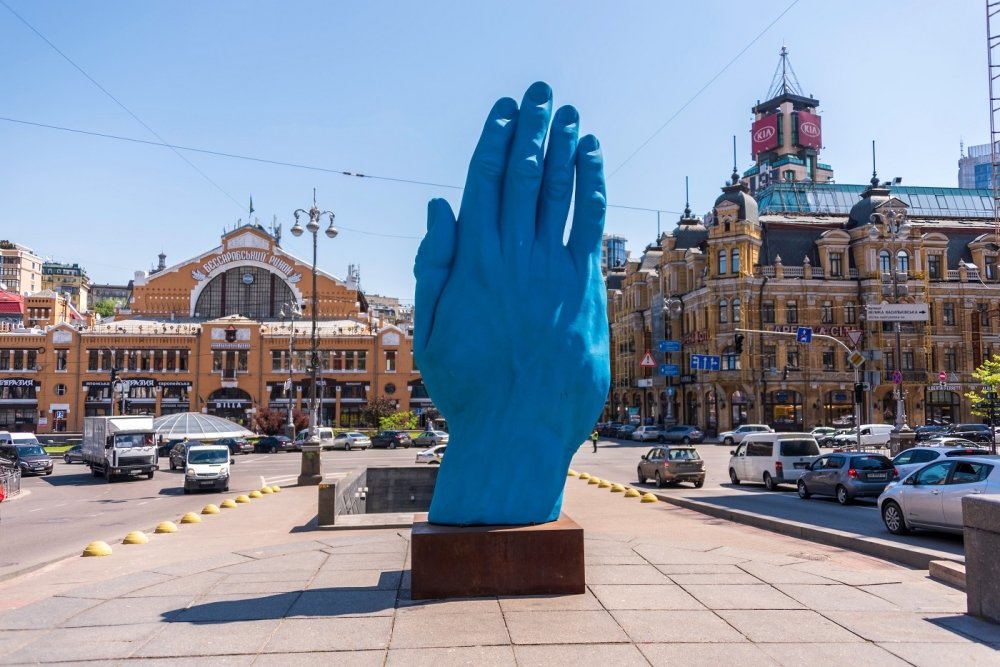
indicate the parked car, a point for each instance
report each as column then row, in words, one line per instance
column 931, row 497
column 914, row 458
column 669, row 464
column 273, row 444
column 625, row 431
column 609, row 429
column 682, row 433
column 30, row 459
column 236, row 445
column 163, row 449
column 647, row 433
column 178, row 453
column 431, row 438
column 734, row 437
column 348, row 440
column 823, row 435
column 945, row 441
column 872, row 435
column 324, row 433
column 846, row 476
column 432, row 456
column 927, row 431
column 391, row 439
column 975, row 432
column 772, row 458
column 74, row 454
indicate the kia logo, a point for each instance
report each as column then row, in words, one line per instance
column 809, row 128
column 763, row 134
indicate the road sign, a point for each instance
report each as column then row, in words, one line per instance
column 670, row 369
column 942, row 376
column 898, row 312
column 669, row 346
column 706, row 362
column 897, row 377
column 856, row 358
column 804, row 335
column 647, row 361
column 855, row 335
column 671, row 391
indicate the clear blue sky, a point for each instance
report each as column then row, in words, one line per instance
column 400, row 90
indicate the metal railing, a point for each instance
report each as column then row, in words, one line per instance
column 10, row 480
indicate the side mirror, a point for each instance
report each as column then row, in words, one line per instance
column 232, row 461
column 643, row 457
column 910, row 481
column 732, row 452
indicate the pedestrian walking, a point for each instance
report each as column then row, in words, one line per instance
column 593, row 439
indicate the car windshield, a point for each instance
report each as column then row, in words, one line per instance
column 799, row 448
column 30, row 450
column 683, row 455
column 871, row 463
column 355, row 434
column 208, row 456
column 134, row 440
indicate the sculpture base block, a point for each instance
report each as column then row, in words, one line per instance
column 479, row 561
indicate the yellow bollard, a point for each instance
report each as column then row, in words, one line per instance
column 632, row 493
column 648, row 498
column 584, row 475
column 276, row 488
column 604, row 484
column 617, row 488
column 210, row 509
column 266, row 490
column 242, row 499
column 594, row 480
column 136, row 537
column 571, row 473
column 191, row 517
column 97, row 549
column 255, row 494
column 166, row 527
column 228, row 504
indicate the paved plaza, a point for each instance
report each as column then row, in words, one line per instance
column 259, row 585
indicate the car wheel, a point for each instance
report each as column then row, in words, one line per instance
column 728, row 442
column 769, row 482
column 172, row 466
column 49, row 472
column 661, row 440
column 274, row 449
column 392, row 445
column 226, row 489
column 659, row 480
column 842, row 496
column 640, row 476
column 699, row 483
column 347, row 447
column 892, row 517
column 733, row 478
column 94, row 472
column 686, row 440
column 149, row 475
column 803, row 491
column 66, row 458
column 186, row 490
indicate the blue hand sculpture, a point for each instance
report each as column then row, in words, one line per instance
column 511, row 327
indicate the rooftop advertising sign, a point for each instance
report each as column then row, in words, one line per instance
column 810, row 133
column 764, row 134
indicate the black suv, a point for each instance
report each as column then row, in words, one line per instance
column 391, row 439
column 974, row 432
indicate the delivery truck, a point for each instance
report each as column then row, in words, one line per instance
column 122, row 446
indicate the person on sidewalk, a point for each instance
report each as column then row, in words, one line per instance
column 593, row 439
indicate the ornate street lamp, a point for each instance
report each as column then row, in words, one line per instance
column 310, row 473
column 293, row 311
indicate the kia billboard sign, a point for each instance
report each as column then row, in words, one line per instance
column 810, row 135
column 764, row 134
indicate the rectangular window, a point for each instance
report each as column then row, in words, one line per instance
column 991, row 267
column 4, row 360
column 62, row 358
column 770, row 356
column 31, row 363
column 907, row 360
column 276, row 359
column 184, row 360
column 390, row 361
column 217, row 360
column 850, row 313
column 241, row 361
column 934, row 266
column 767, row 312
column 829, row 360
column 413, row 360
column 827, row 312
column 18, row 360
column 949, row 359
column 836, row 264
column 791, row 312
column 157, row 360
column 949, row 314
column 792, row 358
column 171, row 356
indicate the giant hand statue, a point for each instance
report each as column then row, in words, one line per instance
column 511, row 330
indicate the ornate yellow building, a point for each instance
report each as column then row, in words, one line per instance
column 227, row 333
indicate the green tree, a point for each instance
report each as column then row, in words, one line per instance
column 377, row 410
column 399, row 421
column 105, row 307
column 988, row 375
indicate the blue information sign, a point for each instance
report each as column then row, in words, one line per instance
column 670, row 369
column 669, row 346
column 706, row 362
column 804, row 335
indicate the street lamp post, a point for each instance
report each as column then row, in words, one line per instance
column 293, row 311
column 310, row 473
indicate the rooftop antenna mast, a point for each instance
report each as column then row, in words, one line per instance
column 993, row 60
column 784, row 81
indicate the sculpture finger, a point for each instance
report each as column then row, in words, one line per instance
column 557, row 182
column 432, row 269
column 478, row 218
column 523, row 180
column 591, row 203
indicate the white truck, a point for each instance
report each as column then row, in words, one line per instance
column 119, row 446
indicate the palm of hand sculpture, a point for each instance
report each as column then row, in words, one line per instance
column 511, row 330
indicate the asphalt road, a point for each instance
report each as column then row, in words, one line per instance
column 616, row 460
column 68, row 509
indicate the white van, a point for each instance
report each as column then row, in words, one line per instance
column 207, row 467
column 872, row 435
column 772, row 458
column 22, row 438
column 325, row 437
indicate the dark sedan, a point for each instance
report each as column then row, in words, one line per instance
column 236, row 445
column 391, row 439
column 273, row 444
column 74, row 454
column 682, row 433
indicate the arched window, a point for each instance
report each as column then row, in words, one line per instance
column 250, row 291
column 902, row 262
column 723, row 311
column 884, row 261
column 736, row 310
column 722, row 262
column 736, row 264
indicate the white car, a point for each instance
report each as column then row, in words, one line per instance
column 914, row 458
column 730, row 438
column 646, row 433
column 931, row 497
column 433, row 455
column 348, row 440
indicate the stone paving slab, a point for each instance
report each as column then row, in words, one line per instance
column 676, row 626
column 486, row 656
column 619, row 655
column 564, row 627
column 651, row 597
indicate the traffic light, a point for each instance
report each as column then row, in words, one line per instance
column 859, row 392
column 738, row 339
column 114, row 374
